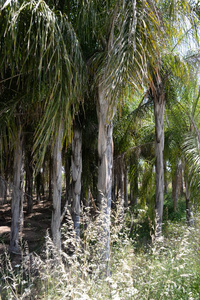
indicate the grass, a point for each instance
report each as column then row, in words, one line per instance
column 166, row 270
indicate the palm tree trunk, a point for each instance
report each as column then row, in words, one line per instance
column 76, row 178
column 50, row 179
column 16, row 194
column 2, row 190
column 165, row 178
column 21, row 214
column 121, row 189
column 125, row 187
column 38, row 186
column 134, row 180
column 176, row 184
column 57, row 189
column 105, row 152
column 114, row 187
column 159, row 107
column 29, row 178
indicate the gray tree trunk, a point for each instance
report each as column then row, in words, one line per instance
column 105, row 152
column 57, row 189
column 76, row 178
column 16, row 194
column 159, row 107
column 21, row 215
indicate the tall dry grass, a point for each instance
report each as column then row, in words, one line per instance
column 169, row 269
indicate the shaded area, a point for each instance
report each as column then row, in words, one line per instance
column 35, row 225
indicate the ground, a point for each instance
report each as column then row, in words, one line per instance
column 36, row 225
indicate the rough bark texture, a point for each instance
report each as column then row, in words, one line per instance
column 105, row 151
column 159, row 107
column 57, row 190
column 76, row 178
column 16, row 195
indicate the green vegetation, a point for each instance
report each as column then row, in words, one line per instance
column 169, row 268
column 99, row 149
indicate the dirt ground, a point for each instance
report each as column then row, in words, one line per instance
column 34, row 228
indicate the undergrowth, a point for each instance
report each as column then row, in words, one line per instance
column 166, row 270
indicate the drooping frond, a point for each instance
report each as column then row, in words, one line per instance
column 40, row 49
column 191, row 151
column 136, row 45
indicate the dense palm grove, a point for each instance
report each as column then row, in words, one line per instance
column 99, row 111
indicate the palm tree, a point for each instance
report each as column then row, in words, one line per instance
column 76, row 163
column 191, row 141
column 41, row 50
column 118, row 33
column 159, row 75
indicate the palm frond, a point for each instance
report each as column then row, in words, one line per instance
column 41, row 49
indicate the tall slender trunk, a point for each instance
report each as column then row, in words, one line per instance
column 176, row 184
column 159, row 107
column 16, row 194
column 29, row 178
column 43, row 179
column 114, row 179
column 2, row 190
column 57, row 189
column 76, row 177
column 21, row 214
column 125, row 186
column 134, row 177
column 38, row 186
column 105, row 152
column 165, row 178
column 181, row 182
column 50, row 198
column 120, row 188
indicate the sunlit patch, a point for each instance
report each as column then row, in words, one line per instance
column 4, row 229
